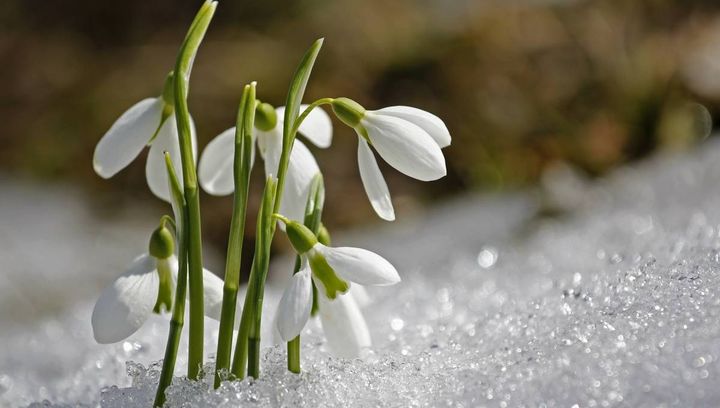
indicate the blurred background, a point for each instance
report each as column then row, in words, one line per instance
column 525, row 86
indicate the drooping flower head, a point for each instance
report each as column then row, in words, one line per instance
column 215, row 170
column 333, row 270
column 150, row 122
column 407, row 138
column 147, row 286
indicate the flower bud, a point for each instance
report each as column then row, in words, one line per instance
column 300, row 236
column 162, row 243
column 348, row 111
column 265, row 117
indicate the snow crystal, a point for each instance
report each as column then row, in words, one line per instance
column 615, row 303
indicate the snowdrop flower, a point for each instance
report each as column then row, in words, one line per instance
column 409, row 139
column 331, row 269
column 215, row 170
column 150, row 122
column 148, row 285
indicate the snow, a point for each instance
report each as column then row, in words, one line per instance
column 614, row 303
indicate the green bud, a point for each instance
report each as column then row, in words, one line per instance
column 162, row 243
column 165, row 289
column 265, row 117
column 330, row 283
column 323, row 235
column 348, row 111
column 300, row 236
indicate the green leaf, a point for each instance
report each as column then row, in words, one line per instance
column 297, row 89
column 183, row 67
column 192, row 41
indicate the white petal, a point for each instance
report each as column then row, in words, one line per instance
column 405, row 146
column 359, row 293
column 155, row 170
column 428, row 122
column 359, row 265
column 173, row 266
column 275, row 337
column 374, row 182
column 302, row 167
column 215, row 170
column 125, row 305
column 270, row 146
column 213, row 290
column 344, row 326
column 295, row 305
column 127, row 137
column 317, row 126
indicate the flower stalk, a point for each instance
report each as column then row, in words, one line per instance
column 313, row 216
column 183, row 68
column 178, row 313
column 247, row 350
column 241, row 173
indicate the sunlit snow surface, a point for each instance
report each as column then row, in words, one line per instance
column 615, row 304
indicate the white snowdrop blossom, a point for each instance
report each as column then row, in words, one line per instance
column 150, row 122
column 215, row 170
column 407, row 138
column 147, row 285
column 332, row 269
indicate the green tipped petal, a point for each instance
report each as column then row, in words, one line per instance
column 165, row 290
column 326, row 278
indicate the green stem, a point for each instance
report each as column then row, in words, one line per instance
column 266, row 227
column 287, row 148
column 243, row 151
column 306, row 112
column 183, row 68
column 176, row 325
column 248, row 342
column 178, row 314
column 312, row 219
column 241, row 343
column 293, row 355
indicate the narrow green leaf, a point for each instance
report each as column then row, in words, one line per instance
column 242, row 167
column 297, row 88
column 183, row 67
